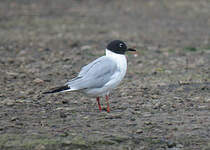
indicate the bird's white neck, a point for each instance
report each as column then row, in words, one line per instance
column 112, row 54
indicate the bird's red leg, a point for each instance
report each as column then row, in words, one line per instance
column 107, row 101
column 99, row 105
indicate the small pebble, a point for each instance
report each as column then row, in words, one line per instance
column 37, row 80
column 139, row 131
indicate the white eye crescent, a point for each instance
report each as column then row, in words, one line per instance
column 121, row 45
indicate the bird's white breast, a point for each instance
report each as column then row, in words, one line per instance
column 120, row 60
column 121, row 65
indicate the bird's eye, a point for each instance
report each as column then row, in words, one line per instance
column 121, row 45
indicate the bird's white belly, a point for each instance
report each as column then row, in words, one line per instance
column 97, row 91
column 105, row 90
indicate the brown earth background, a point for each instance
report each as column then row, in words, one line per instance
column 163, row 102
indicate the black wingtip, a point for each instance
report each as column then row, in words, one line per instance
column 57, row 89
column 48, row 92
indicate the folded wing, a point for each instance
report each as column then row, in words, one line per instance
column 94, row 75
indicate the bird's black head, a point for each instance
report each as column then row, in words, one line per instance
column 118, row 47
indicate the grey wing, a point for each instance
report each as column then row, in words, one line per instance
column 95, row 74
column 86, row 68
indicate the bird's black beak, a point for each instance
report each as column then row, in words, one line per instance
column 130, row 49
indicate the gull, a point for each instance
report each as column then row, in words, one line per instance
column 101, row 76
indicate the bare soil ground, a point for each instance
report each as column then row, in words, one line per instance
column 163, row 102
